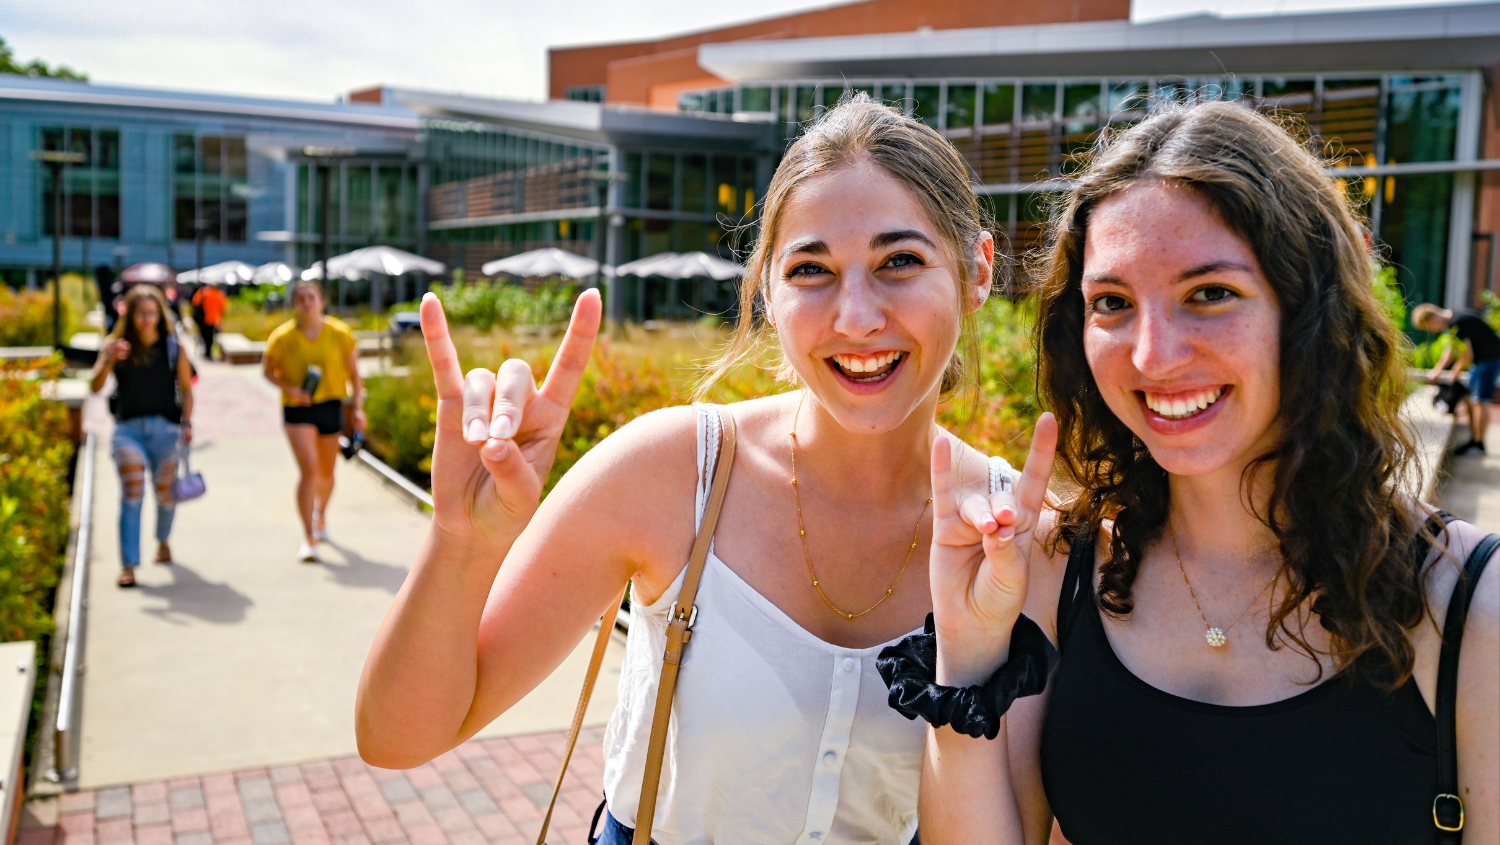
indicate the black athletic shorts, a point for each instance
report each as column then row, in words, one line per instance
column 327, row 416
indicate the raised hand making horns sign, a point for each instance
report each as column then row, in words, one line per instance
column 497, row 433
column 981, row 548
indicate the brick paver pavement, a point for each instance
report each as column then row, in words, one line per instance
column 485, row 791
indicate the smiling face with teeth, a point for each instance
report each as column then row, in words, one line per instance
column 864, row 299
column 1181, row 330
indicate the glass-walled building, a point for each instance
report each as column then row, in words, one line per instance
column 609, row 183
column 1393, row 100
column 1022, row 137
column 165, row 174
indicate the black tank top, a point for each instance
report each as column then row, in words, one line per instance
column 1123, row 762
column 147, row 389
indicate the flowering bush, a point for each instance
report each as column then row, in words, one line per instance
column 487, row 305
column 35, row 452
column 26, row 317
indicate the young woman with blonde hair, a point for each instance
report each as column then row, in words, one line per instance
column 871, row 259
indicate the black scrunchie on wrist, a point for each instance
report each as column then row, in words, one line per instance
column 910, row 671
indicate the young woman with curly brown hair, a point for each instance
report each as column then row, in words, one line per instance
column 1246, row 603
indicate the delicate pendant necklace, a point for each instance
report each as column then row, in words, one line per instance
column 802, row 535
column 1217, row 637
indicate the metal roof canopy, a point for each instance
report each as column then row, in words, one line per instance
column 1431, row 37
column 596, row 122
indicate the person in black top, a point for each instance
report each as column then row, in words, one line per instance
column 153, row 409
column 1243, row 594
column 1481, row 357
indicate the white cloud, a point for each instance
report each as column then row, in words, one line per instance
column 318, row 49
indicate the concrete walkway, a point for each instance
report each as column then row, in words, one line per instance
column 1472, row 488
column 237, row 656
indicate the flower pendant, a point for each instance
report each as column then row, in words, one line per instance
column 1216, row 638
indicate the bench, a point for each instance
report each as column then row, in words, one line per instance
column 239, row 349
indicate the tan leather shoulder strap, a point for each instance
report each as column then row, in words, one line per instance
column 679, row 630
column 601, row 644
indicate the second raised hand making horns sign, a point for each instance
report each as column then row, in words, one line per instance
column 981, row 549
column 497, row 433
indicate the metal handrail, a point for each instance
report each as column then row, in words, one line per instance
column 70, row 668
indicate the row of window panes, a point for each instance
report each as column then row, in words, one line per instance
column 90, row 190
column 381, row 201
column 210, row 188
column 957, row 104
column 689, row 182
column 584, row 93
column 460, row 152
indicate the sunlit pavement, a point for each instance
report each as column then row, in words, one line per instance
column 218, row 701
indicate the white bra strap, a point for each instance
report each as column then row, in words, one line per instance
column 708, row 450
column 1002, row 475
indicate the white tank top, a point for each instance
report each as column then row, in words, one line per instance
column 776, row 736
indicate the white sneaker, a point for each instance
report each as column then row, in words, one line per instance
column 320, row 528
column 308, row 553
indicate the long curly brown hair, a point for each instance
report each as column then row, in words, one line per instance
column 1335, row 505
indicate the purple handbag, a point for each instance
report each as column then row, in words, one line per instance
column 188, row 485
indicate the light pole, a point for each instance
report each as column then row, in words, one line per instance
column 56, row 160
column 324, row 157
column 600, row 180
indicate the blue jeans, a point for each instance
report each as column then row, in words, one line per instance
column 1482, row 376
column 138, row 444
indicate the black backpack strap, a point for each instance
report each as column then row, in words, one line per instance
column 1447, row 806
column 1077, row 585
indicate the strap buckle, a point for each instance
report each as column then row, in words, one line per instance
column 691, row 618
column 1448, row 812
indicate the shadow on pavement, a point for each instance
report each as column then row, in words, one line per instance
column 357, row 571
column 190, row 594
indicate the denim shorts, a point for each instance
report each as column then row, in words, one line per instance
column 615, row 833
column 1482, row 377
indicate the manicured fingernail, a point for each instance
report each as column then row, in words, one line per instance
column 475, row 433
column 503, row 427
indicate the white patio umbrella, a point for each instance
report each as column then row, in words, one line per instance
column 550, row 261
column 275, row 273
column 223, row 273
column 688, row 265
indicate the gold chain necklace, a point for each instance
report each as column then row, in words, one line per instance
column 802, row 535
column 1216, row 636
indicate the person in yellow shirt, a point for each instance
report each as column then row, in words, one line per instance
column 313, row 359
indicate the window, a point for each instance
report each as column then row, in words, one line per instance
column 927, row 104
column 999, row 103
column 1039, row 102
column 210, row 187
column 960, row 106
column 584, row 93
column 90, row 190
column 755, row 99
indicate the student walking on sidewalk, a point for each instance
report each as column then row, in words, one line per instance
column 1481, row 357
column 312, row 358
column 208, row 312
column 153, row 409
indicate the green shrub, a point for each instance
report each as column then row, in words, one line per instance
column 26, row 317
column 35, row 453
column 487, row 305
column 998, row 420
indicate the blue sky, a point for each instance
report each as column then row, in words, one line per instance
column 318, row 49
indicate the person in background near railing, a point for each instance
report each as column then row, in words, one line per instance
column 153, row 410
column 208, row 311
column 313, row 359
column 1248, row 603
column 1481, row 356
column 871, row 260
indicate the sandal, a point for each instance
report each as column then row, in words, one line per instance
column 163, row 553
column 127, row 577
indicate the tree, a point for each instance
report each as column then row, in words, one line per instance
column 36, row 67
